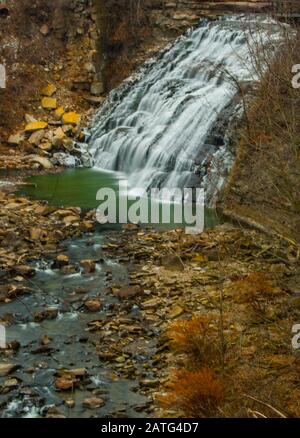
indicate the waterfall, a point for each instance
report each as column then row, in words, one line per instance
column 158, row 127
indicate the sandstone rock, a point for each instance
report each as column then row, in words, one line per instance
column 43, row 161
column 93, row 305
column 36, row 137
column 46, row 146
column 88, row 266
column 7, row 368
column 29, row 118
column 49, row 90
column 35, row 233
column 62, row 260
column 35, row 126
column 59, row 112
column 49, row 103
column 93, row 403
column 97, row 88
column 16, row 139
column 63, row 384
column 70, row 220
column 71, row 118
column 68, row 144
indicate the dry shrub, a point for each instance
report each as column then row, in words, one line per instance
column 253, row 287
column 197, row 338
column 266, row 174
column 196, row 394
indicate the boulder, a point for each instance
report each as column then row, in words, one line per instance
column 43, row 161
column 93, row 305
column 88, row 266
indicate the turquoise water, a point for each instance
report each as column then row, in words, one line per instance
column 79, row 187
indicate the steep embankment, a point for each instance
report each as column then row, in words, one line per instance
column 264, row 186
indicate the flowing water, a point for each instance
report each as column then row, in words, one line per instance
column 160, row 128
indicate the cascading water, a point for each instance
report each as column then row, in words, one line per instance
column 156, row 128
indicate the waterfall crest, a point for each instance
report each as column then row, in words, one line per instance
column 157, row 127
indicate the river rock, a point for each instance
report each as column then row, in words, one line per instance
column 93, row 403
column 93, row 305
column 88, row 266
column 63, row 384
column 128, row 291
column 50, row 313
column 62, row 260
column 7, row 368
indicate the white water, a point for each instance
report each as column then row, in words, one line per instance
column 156, row 127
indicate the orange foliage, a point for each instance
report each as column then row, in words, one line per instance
column 196, row 394
column 256, row 285
column 195, row 337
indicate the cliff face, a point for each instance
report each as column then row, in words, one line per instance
column 85, row 47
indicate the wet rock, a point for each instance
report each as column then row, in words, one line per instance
column 128, row 292
column 62, row 260
column 7, row 368
column 89, row 266
column 50, row 313
column 45, row 340
column 93, row 403
column 70, row 403
column 11, row 384
column 63, row 384
column 93, row 305
column 24, row 270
